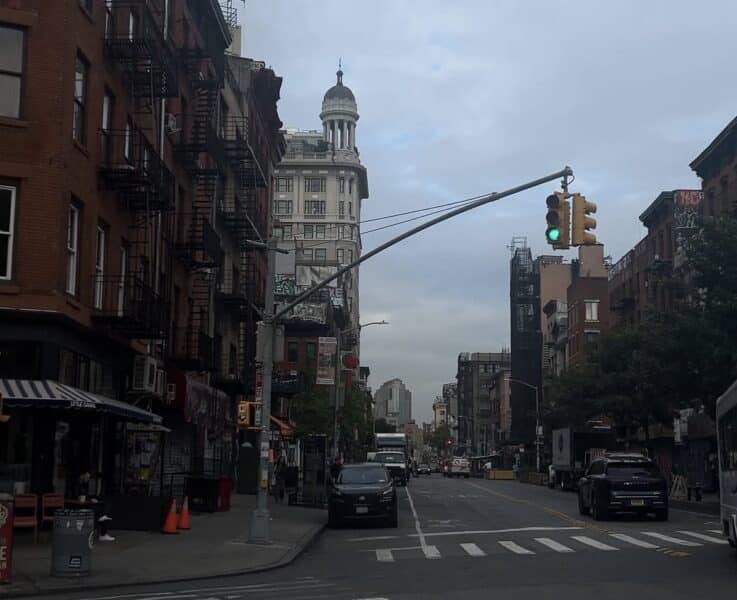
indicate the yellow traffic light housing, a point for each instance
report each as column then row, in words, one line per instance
column 244, row 414
column 558, row 220
column 583, row 223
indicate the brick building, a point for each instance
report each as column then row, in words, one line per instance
column 716, row 166
column 137, row 159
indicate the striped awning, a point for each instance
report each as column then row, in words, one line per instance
column 30, row 393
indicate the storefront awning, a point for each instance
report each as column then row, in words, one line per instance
column 30, row 393
column 284, row 428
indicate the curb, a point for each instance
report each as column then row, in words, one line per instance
column 710, row 509
column 299, row 547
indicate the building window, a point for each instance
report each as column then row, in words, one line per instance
column 121, row 281
column 350, row 256
column 350, row 209
column 127, row 140
column 341, row 185
column 340, row 253
column 81, row 72
column 341, row 209
column 99, row 266
column 319, row 232
column 315, row 207
column 592, row 310
column 11, row 70
column 350, row 187
column 284, row 184
column 292, row 352
column 7, row 223
column 306, row 253
column 591, row 337
column 315, row 185
column 311, row 350
column 287, row 232
column 109, row 20
column 108, row 102
column 320, row 254
column 132, row 25
column 283, row 207
column 353, row 232
column 309, row 232
column 72, row 248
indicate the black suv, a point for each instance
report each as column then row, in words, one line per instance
column 362, row 491
column 619, row 482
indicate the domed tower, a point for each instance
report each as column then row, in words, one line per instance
column 339, row 116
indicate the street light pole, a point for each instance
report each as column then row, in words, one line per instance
column 537, row 419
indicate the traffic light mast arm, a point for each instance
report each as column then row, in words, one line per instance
column 564, row 174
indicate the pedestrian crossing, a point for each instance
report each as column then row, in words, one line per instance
column 564, row 544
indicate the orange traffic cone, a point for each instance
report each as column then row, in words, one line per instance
column 170, row 525
column 184, row 515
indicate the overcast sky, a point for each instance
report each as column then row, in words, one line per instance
column 468, row 97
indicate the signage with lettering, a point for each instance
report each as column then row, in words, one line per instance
column 6, row 541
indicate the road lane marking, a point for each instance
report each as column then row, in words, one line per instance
column 553, row 545
column 705, row 538
column 473, row 550
column 375, row 538
column 593, row 543
column 667, row 538
column 715, row 531
column 623, row 537
column 428, row 552
column 384, row 555
column 492, row 531
column 514, row 547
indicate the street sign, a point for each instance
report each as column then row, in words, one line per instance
column 6, row 541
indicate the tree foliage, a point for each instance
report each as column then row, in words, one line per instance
column 439, row 438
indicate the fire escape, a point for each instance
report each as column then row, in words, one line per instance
column 129, row 303
column 242, row 211
column 200, row 150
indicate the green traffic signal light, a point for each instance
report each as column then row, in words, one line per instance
column 553, row 234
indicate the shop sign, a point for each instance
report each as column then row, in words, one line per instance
column 6, row 541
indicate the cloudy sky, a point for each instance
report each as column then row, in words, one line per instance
column 468, row 97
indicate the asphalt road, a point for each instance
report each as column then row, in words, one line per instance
column 470, row 538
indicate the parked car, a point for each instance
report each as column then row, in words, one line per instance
column 619, row 482
column 362, row 491
column 423, row 469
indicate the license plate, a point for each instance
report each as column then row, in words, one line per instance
column 361, row 510
column 637, row 502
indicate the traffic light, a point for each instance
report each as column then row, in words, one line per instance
column 559, row 221
column 583, row 222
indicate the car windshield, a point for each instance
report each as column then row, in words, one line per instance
column 632, row 470
column 390, row 457
column 363, row 475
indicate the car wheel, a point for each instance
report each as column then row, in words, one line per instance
column 582, row 508
column 661, row 515
column 334, row 520
column 597, row 511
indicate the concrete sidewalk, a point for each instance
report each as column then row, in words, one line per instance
column 708, row 505
column 217, row 545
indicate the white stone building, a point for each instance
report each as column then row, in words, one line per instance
column 319, row 187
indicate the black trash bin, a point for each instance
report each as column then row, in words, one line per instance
column 73, row 540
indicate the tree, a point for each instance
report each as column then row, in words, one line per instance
column 439, row 438
column 312, row 412
column 381, row 426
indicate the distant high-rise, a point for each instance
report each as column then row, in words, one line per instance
column 393, row 402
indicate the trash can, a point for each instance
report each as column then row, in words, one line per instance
column 73, row 539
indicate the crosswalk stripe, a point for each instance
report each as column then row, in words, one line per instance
column 553, row 545
column 593, row 543
column 667, row 538
column 384, row 555
column 705, row 538
column 473, row 550
column 634, row 541
column 431, row 552
column 516, row 548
